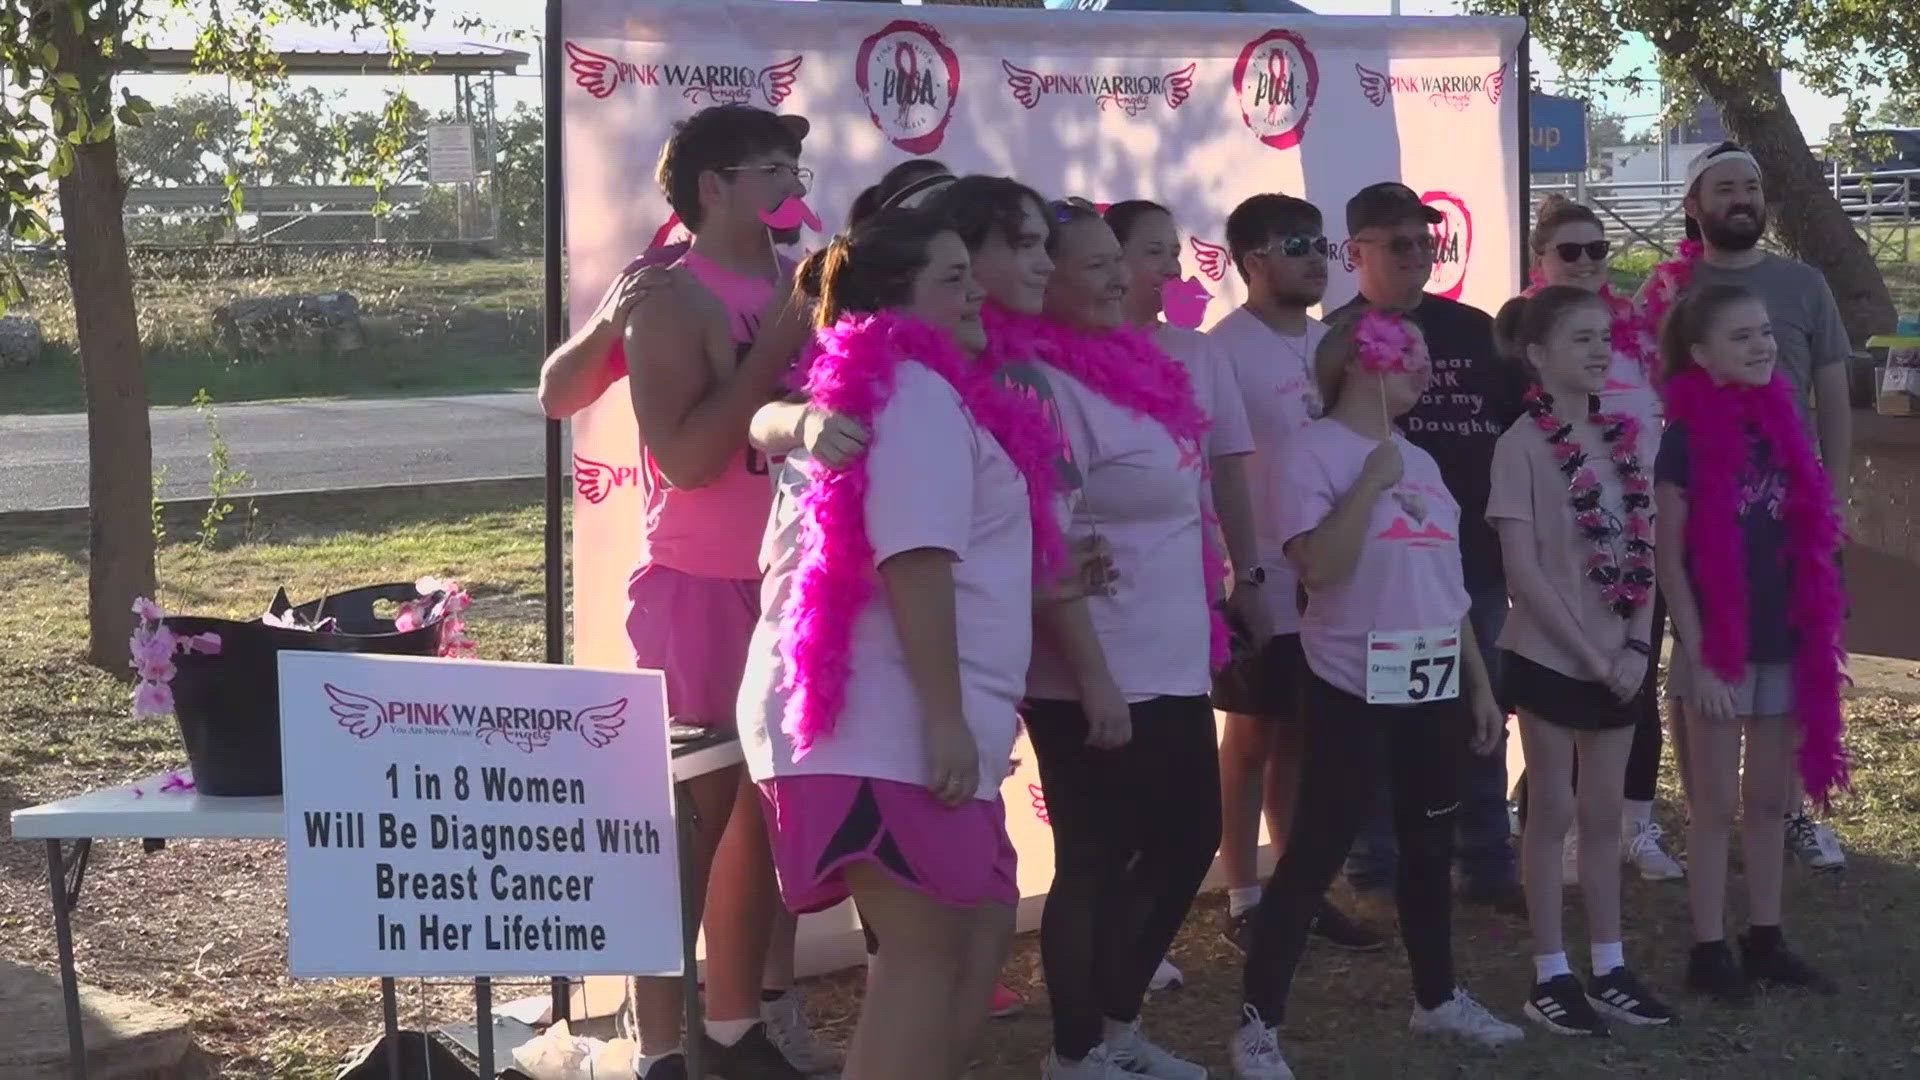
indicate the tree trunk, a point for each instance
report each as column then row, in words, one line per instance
column 119, row 442
column 1800, row 199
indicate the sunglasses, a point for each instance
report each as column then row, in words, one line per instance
column 1403, row 245
column 1295, row 246
column 1065, row 210
column 1595, row 249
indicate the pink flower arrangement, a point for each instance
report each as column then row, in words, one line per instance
column 1387, row 343
column 152, row 649
column 447, row 611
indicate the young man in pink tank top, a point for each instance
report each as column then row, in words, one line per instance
column 718, row 339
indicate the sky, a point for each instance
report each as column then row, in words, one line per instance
column 1814, row 112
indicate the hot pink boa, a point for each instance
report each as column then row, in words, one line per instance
column 852, row 374
column 1127, row 368
column 1721, row 424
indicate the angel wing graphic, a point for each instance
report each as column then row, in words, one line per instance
column 1212, row 258
column 1179, row 86
column 597, row 74
column 1024, row 84
column 1497, row 84
column 358, row 713
column 1039, row 798
column 776, row 82
column 593, row 479
column 600, row 724
column 1373, row 84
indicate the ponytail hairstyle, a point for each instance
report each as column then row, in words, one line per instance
column 1689, row 322
column 910, row 177
column 1557, row 211
column 1530, row 320
column 1121, row 217
column 871, row 266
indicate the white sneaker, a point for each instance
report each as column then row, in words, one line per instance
column 787, row 1029
column 1640, row 847
column 1570, row 860
column 1097, row 1065
column 1815, row 842
column 1255, row 1050
column 1166, row 977
column 1133, row 1051
column 1463, row 1018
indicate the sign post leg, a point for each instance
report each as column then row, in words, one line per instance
column 63, row 937
column 687, row 826
column 390, row 1020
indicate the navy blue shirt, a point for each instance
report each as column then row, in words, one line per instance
column 1763, row 527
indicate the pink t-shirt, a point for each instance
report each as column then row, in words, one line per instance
column 1408, row 576
column 714, row 530
column 1275, row 376
column 934, row 480
column 1141, row 492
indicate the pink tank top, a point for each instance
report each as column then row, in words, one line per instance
column 714, row 531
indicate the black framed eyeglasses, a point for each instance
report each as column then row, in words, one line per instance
column 1596, row 250
column 1295, row 246
column 775, row 168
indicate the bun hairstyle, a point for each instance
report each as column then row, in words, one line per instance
column 896, row 181
column 871, row 266
column 1121, row 217
column 1691, row 319
column 1340, row 350
column 1557, row 211
column 1530, row 320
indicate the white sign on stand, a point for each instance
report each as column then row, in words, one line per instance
column 450, row 154
column 454, row 817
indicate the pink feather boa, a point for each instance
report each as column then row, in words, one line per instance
column 1127, row 368
column 852, row 373
column 1721, row 423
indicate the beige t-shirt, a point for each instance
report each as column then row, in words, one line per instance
column 1529, row 486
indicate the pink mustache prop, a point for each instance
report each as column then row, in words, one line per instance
column 1185, row 302
column 791, row 215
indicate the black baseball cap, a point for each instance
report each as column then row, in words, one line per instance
column 1386, row 204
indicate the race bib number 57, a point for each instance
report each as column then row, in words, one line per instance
column 1412, row 667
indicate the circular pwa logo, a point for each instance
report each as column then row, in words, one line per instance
column 1452, row 244
column 910, row 80
column 1277, row 80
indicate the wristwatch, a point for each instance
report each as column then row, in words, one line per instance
column 1252, row 575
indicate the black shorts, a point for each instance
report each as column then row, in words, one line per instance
column 1266, row 683
column 1544, row 693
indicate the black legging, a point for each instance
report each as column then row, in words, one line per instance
column 1423, row 750
column 1643, row 761
column 1134, row 833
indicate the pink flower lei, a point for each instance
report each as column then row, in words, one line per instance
column 853, row 374
column 1625, row 586
column 1127, row 368
column 151, row 652
column 1664, row 287
column 1722, row 423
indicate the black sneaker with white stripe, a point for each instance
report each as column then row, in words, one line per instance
column 1561, row 1006
column 1621, row 996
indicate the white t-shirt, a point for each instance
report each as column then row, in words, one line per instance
column 1141, row 492
column 1213, row 386
column 1277, row 390
column 934, row 480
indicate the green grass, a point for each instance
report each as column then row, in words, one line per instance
column 433, row 326
column 199, row 927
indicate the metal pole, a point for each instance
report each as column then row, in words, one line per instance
column 483, row 1025
column 556, row 331
column 1524, row 106
column 390, row 1021
column 63, row 942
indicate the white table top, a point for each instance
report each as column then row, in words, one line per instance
column 117, row 812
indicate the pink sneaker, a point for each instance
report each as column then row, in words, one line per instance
column 1006, row 1002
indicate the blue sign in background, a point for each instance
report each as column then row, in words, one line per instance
column 1559, row 134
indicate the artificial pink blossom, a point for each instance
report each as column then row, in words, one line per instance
column 207, row 644
column 161, row 671
column 152, row 699
column 147, row 609
column 1586, row 478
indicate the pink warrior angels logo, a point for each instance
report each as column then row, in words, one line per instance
column 910, row 80
column 1276, row 80
column 703, row 84
column 1131, row 94
column 595, row 480
column 1455, row 91
column 524, row 727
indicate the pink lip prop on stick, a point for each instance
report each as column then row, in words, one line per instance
column 791, row 215
column 1185, row 302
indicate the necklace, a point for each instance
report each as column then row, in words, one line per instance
column 1625, row 585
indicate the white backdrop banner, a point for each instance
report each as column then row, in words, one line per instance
column 1194, row 111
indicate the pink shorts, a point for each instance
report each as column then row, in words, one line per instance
column 696, row 630
column 821, row 824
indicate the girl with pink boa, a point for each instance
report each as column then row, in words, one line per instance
column 1749, row 544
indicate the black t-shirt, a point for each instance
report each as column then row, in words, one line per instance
column 1763, row 528
column 1474, row 399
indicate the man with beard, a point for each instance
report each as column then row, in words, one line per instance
column 1279, row 245
column 1474, row 398
column 1726, row 209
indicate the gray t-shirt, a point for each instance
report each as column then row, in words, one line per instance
column 1806, row 321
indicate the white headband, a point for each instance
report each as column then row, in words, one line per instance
column 1712, row 158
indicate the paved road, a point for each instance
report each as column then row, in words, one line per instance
column 290, row 446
